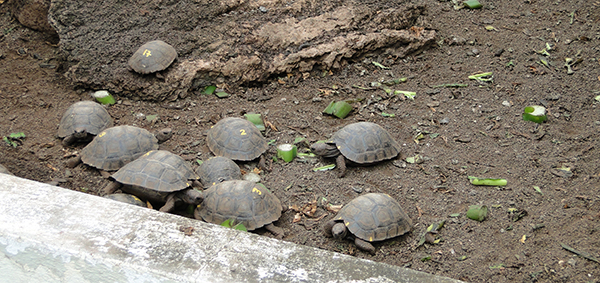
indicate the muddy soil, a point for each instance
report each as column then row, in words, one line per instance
column 457, row 126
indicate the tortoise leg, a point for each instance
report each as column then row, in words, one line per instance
column 68, row 140
column 364, row 245
column 112, row 187
column 277, row 231
column 341, row 164
column 72, row 162
column 105, row 174
column 170, row 203
column 262, row 163
column 197, row 213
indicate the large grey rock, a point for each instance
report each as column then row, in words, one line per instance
column 51, row 234
column 227, row 41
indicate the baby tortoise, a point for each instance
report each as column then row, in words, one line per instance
column 244, row 202
column 361, row 143
column 158, row 176
column 117, row 146
column 368, row 218
column 152, row 57
column 237, row 139
column 82, row 121
column 218, row 169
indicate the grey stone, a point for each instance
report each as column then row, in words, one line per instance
column 50, row 234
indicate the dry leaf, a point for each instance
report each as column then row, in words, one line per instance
column 270, row 125
column 297, row 217
column 52, row 167
column 416, row 30
column 310, row 209
column 334, row 208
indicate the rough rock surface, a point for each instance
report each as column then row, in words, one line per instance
column 32, row 14
column 227, row 42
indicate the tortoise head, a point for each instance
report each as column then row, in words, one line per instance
column 339, row 230
column 192, row 196
column 163, row 135
column 325, row 149
column 80, row 133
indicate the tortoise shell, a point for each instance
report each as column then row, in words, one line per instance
column 237, row 139
column 374, row 217
column 84, row 116
column 158, row 170
column 152, row 57
column 245, row 202
column 126, row 198
column 365, row 142
column 218, row 169
column 117, row 146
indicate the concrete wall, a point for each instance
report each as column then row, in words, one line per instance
column 50, row 234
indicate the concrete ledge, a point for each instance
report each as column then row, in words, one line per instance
column 50, row 234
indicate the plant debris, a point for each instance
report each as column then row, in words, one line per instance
column 585, row 255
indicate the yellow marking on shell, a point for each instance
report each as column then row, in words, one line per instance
column 370, row 239
column 338, row 147
column 242, row 132
column 101, row 134
column 256, row 190
column 199, row 206
column 214, row 183
column 148, row 153
column 147, row 53
column 347, row 223
column 136, row 198
column 188, row 184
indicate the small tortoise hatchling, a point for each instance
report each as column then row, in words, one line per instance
column 244, row 202
column 218, row 169
column 82, row 121
column 158, row 176
column 117, row 146
column 152, row 57
column 237, row 139
column 361, row 143
column 367, row 218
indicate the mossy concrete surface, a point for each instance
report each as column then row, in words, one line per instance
column 50, row 234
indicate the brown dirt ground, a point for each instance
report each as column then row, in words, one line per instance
column 484, row 136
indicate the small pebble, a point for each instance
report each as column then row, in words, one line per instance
column 357, row 190
column 263, row 9
column 445, row 120
column 506, row 103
